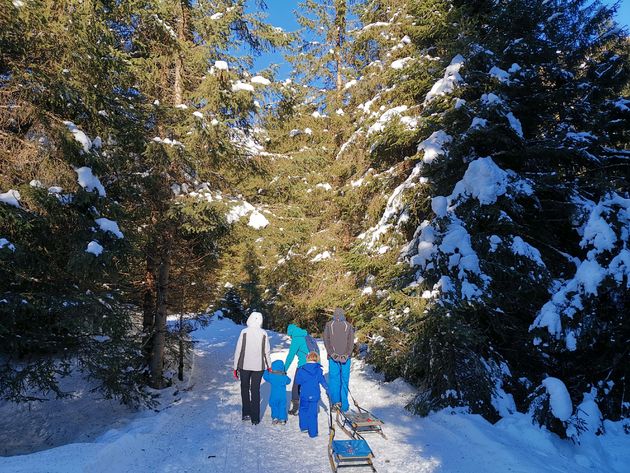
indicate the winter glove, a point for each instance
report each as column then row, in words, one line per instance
column 235, row 374
column 269, row 369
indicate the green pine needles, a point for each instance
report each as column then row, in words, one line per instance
column 453, row 174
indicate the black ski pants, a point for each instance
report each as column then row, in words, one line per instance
column 295, row 390
column 250, row 394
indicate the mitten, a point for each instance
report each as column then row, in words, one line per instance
column 235, row 374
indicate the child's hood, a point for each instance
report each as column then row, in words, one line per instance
column 295, row 331
column 312, row 368
column 278, row 365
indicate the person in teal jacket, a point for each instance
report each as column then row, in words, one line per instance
column 300, row 349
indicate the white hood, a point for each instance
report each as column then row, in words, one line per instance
column 253, row 354
column 255, row 320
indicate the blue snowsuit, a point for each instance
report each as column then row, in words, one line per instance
column 309, row 377
column 278, row 399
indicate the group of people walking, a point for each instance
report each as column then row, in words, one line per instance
column 252, row 364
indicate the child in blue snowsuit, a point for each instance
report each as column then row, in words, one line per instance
column 278, row 379
column 309, row 377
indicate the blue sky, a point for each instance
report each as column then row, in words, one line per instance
column 280, row 13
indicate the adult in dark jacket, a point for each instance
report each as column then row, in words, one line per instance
column 339, row 342
column 251, row 359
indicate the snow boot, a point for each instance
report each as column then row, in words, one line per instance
column 295, row 407
column 246, row 418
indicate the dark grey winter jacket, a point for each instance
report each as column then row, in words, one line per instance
column 339, row 337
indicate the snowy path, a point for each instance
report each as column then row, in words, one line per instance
column 202, row 432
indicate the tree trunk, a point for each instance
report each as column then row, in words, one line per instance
column 177, row 87
column 180, row 368
column 340, row 32
column 148, row 298
column 182, row 29
column 339, row 77
column 167, row 232
column 148, row 305
column 159, row 333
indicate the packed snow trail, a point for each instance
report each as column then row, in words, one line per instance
column 202, row 431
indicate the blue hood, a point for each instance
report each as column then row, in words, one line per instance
column 278, row 365
column 312, row 368
column 295, row 331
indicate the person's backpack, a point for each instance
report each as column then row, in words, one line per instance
column 311, row 344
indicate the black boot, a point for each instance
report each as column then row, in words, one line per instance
column 295, row 406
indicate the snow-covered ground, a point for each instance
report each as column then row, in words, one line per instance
column 34, row 426
column 200, row 430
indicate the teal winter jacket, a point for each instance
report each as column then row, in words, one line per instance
column 298, row 346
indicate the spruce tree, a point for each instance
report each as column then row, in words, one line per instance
column 199, row 103
column 322, row 54
column 66, row 128
column 507, row 137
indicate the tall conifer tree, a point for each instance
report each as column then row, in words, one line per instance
column 66, row 128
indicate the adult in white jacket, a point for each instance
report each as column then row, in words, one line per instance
column 251, row 359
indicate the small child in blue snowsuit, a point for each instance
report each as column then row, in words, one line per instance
column 309, row 377
column 278, row 399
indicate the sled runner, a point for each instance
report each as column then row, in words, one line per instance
column 348, row 453
column 359, row 422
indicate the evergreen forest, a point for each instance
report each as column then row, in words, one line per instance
column 454, row 174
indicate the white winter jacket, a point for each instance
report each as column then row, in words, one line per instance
column 252, row 348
